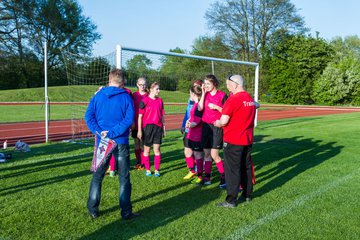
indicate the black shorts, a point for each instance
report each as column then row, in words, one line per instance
column 195, row 146
column 212, row 137
column 134, row 133
column 152, row 134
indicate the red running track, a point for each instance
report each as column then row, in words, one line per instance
column 34, row 132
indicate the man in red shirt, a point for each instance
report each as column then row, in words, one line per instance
column 237, row 120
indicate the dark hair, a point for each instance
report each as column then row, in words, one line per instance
column 213, row 79
column 196, row 89
column 197, row 82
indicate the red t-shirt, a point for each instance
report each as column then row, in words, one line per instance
column 194, row 134
column 137, row 97
column 241, row 109
column 211, row 115
column 152, row 111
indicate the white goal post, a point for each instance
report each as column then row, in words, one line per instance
column 174, row 72
column 120, row 62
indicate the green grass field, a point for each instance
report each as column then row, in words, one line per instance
column 81, row 93
column 308, row 187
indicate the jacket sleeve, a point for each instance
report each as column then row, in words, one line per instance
column 187, row 114
column 90, row 118
column 127, row 121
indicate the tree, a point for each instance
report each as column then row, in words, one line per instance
column 138, row 64
column 340, row 82
column 296, row 62
column 247, row 24
column 25, row 25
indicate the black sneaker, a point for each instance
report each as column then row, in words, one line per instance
column 244, row 199
column 222, row 183
column 94, row 215
column 131, row 216
column 226, row 205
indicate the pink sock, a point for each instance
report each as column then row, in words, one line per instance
column 208, row 166
column 157, row 160
column 220, row 166
column 200, row 165
column 138, row 155
column 190, row 162
column 146, row 162
column 112, row 163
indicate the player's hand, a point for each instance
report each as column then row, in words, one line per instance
column 217, row 123
column 182, row 130
column 139, row 134
column 187, row 125
column 212, row 106
column 203, row 88
column 104, row 133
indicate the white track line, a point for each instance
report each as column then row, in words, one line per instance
column 243, row 232
column 329, row 109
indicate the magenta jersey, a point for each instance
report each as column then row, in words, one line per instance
column 211, row 115
column 137, row 98
column 194, row 134
column 152, row 111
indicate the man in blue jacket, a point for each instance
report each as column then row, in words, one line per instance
column 111, row 114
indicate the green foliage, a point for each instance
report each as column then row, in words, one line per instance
column 340, row 82
column 295, row 63
column 184, row 86
column 25, row 25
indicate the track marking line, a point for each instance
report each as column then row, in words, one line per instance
column 243, row 232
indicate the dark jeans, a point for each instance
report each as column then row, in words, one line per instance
column 121, row 154
column 237, row 164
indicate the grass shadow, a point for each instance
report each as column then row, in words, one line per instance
column 293, row 155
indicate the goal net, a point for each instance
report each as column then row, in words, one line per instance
column 173, row 71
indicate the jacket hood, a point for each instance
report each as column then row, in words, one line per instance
column 112, row 91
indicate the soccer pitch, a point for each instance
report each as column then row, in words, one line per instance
column 308, row 187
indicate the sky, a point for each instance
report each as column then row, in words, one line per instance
column 161, row 25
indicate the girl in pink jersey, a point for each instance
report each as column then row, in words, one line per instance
column 193, row 150
column 211, row 103
column 138, row 97
column 151, row 121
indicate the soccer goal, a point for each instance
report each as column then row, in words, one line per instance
column 173, row 71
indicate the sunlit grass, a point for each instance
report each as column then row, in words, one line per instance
column 308, row 186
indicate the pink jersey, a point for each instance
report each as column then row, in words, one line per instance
column 211, row 115
column 194, row 134
column 152, row 111
column 137, row 97
column 128, row 91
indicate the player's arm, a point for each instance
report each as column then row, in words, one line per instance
column 223, row 121
column 90, row 118
column 126, row 122
column 163, row 118
column 202, row 99
column 163, row 123
column 139, row 133
column 140, row 119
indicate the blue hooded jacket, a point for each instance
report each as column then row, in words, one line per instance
column 111, row 109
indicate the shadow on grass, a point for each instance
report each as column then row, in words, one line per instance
column 47, row 164
column 39, row 152
column 293, row 155
column 43, row 182
column 157, row 215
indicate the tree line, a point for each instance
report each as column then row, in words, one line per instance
column 295, row 67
